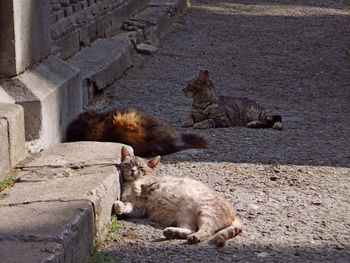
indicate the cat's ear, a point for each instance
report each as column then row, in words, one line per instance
column 203, row 76
column 125, row 153
column 153, row 162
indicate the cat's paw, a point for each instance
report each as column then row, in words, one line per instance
column 176, row 232
column 137, row 189
column 169, row 232
column 188, row 123
column 277, row 126
column 118, row 207
column 193, row 239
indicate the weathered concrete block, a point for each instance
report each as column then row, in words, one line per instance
column 46, row 232
column 66, row 46
column 7, row 43
column 156, row 21
column 4, row 149
column 79, row 154
column 160, row 17
column 31, row 251
column 62, row 27
column 32, row 32
column 13, row 115
column 101, row 19
column 103, row 27
column 4, row 97
column 102, row 63
column 51, row 97
column 25, row 37
column 90, row 174
column 98, row 185
column 88, row 33
column 124, row 11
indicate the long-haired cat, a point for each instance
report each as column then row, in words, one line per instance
column 211, row 111
column 188, row 208
column 148, row 135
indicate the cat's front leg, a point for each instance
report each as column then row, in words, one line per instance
column 118, row 207
column 206, row 124
column 188, row 123
column 123, row 208
column 256, row 124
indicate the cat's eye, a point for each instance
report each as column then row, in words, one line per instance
column 126, row 165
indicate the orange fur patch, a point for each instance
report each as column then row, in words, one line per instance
column 129, row 124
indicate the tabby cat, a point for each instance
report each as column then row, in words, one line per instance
column 148, row 135
column 189, row 208
column 211, row 111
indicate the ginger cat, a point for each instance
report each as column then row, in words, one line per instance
column 188, row 208
column 149, row 136
column 211, row 111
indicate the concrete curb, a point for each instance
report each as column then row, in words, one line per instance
column 60, row 204
column 102, row 63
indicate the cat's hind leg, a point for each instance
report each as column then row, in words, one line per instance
column 277, row 126
column 231, row 231
column 205, row 229
column 176, row 232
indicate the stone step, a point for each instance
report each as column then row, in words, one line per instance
column 60, row 204
column 103, row 62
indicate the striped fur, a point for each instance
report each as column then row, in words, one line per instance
column 211, row 111
column 188, row 208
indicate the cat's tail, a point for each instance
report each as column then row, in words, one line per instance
column 193, row 141
column 231, row 231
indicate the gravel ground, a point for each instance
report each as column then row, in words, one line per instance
column 291, row 188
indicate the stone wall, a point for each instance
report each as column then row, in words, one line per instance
column 75, row 24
